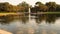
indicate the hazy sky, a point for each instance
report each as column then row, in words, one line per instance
column 31, row 2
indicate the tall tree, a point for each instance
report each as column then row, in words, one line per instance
column 24, row 6
column 41, row 7
column 6, row 7
column 52, row 6
column 58, row 8
column 38, row 4
column 3, row 6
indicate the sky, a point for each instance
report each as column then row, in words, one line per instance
column 31, row 2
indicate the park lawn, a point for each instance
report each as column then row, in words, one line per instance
column 6, row 13
column 1, row 14
column 48, row 13
column 52, row 12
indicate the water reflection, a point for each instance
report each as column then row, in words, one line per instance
column 21, row 25
column 49, row 18
column 24, row 19
column 8, row 19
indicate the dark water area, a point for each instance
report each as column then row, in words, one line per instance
column 36, row 24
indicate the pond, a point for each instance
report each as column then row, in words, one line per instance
column 38, row 24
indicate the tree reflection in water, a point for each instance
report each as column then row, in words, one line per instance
column 29, row 28
column 6, row 19
column 24, row 19
column 49, row 18
column 9, row 18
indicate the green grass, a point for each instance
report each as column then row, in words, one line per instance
column 52, row 12
column 3, row 14
column 6, row 13
column 48, row 13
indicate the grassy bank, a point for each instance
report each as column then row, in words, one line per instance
column 4, row 14
column 52, row 12
column 48, row 13
column 38, row 12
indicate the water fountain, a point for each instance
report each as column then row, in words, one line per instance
column 29, row 15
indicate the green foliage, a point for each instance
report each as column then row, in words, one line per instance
column 38, row 4
column 49, row 6
column 58, row 8
column 52, row 6
column 6, row 7
column 24, row 7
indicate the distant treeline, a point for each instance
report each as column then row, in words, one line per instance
column 47, row 7
column 24, row 7
column 7, row 7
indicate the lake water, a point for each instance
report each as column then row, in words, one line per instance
column 39, row 24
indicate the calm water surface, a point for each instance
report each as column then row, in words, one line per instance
column 32, row 25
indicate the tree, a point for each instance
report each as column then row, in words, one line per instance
column 24, row 6
column 38, row 4
column 41, row 7
column 3, row 6
column 6, row 7
column 52, row 6
column 58, row 8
